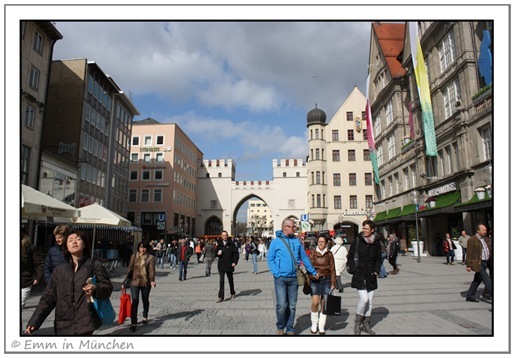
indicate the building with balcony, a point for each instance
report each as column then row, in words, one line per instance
column 259, row 219
column 461, row 99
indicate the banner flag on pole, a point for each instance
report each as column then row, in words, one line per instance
column 423, row 90
column 370, row 137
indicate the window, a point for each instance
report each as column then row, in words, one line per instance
column 336, row 155
column 351, row 154
column 145, row 195
column 349, row 116
column 406, row 178
column 369, row 203
column 30, row 113
column 451, row 94
column 456, row 155
column 146, row 158
column 335, row 135
column 134, row 175
column 486, row 139
column 132, row 195
column 135, row 140
column 160, row 157
column 377, row 125
column 397, row 183
column 312, row 200
column 379, row 156
column 337, row 179
column 284, row 174
column 366, row 154
column 363, row 116
column 413, row 175
column 337, row 202
column 389, row 112
column 352, row 179
column 148, row 140
column 25, row 160
column 34, row 79
column 134, row 157
column 319, row 201
column 145, row 175
column 317, row 134
column 350, row 134
column 317, row 154
column 391, row 147
column 447, row 51
column 160, row 140
column 365, row 135
column 318, row 178
column 368, row 178
column 38, row 42
column 431, row 166
column 158, row 195
column 158, row 175
column 312, row 177
column 353, row 202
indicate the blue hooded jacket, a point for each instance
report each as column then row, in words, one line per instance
column 280, row 260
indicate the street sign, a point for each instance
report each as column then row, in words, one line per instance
column 304, row 217
column 161, row 217
column 161, row 225
column 306, row 226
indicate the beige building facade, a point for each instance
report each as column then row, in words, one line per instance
column 259, row 218
column 340, row 178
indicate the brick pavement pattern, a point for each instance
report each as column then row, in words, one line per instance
column 426, row 298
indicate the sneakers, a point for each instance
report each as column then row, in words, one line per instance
column 280, row 332
column 144, row 321
column 219, row 300
column 233, row 297
column 472, row 299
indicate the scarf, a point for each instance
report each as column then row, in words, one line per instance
column 369, row 239
column 141, row 260
column 321, row 252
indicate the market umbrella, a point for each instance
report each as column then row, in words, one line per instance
column 96, row 214
column 35, row 205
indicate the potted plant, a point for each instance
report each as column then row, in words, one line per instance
column 480, row 192
column 488, row 189
column 431, row 201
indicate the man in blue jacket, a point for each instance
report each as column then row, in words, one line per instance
column 55, row 254
column 283, row 267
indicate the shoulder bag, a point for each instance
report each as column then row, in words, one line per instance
column 349, row 270
column 300, row 271
column 103, row 308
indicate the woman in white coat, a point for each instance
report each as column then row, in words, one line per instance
column 340, row 260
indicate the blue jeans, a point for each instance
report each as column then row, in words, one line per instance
column 161, row 261
column 254, row 262
column 449, row 256
column 183, row 270
column 383, row 272
column 173, row 260
column 286, row 289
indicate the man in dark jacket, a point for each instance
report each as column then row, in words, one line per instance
column 228, row 257
column 184, row 253
column 479, row 259
column 55, row 254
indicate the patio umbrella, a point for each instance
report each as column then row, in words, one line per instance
column 35, row 205
column 96, row 214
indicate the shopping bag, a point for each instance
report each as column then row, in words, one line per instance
column 125, row 306
column 332, row 305
column 201, row 259
column 104, row 309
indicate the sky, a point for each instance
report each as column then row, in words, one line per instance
column 239, row 90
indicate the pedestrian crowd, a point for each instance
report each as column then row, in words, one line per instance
column 69, row 267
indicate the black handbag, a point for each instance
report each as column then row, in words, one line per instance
column 127, row 282
column 332, row 305
column 349, row 270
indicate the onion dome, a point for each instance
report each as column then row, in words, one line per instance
column 316, row 116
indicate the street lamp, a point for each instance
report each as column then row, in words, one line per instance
column 415, row 197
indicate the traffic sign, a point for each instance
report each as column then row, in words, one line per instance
column 161, row 225
column 305, row 225
column 304, row 217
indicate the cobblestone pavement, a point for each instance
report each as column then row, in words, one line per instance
column 426, row 298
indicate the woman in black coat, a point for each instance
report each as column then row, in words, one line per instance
column 364, row 277
column 70, row 291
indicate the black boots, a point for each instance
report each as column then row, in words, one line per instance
column 366, row 326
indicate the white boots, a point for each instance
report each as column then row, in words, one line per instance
column 321, row 323
column 314, row 322
column 318, row 323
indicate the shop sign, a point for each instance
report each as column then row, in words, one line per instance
column 150, row 149
column 354, row 213
column 442, row 189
